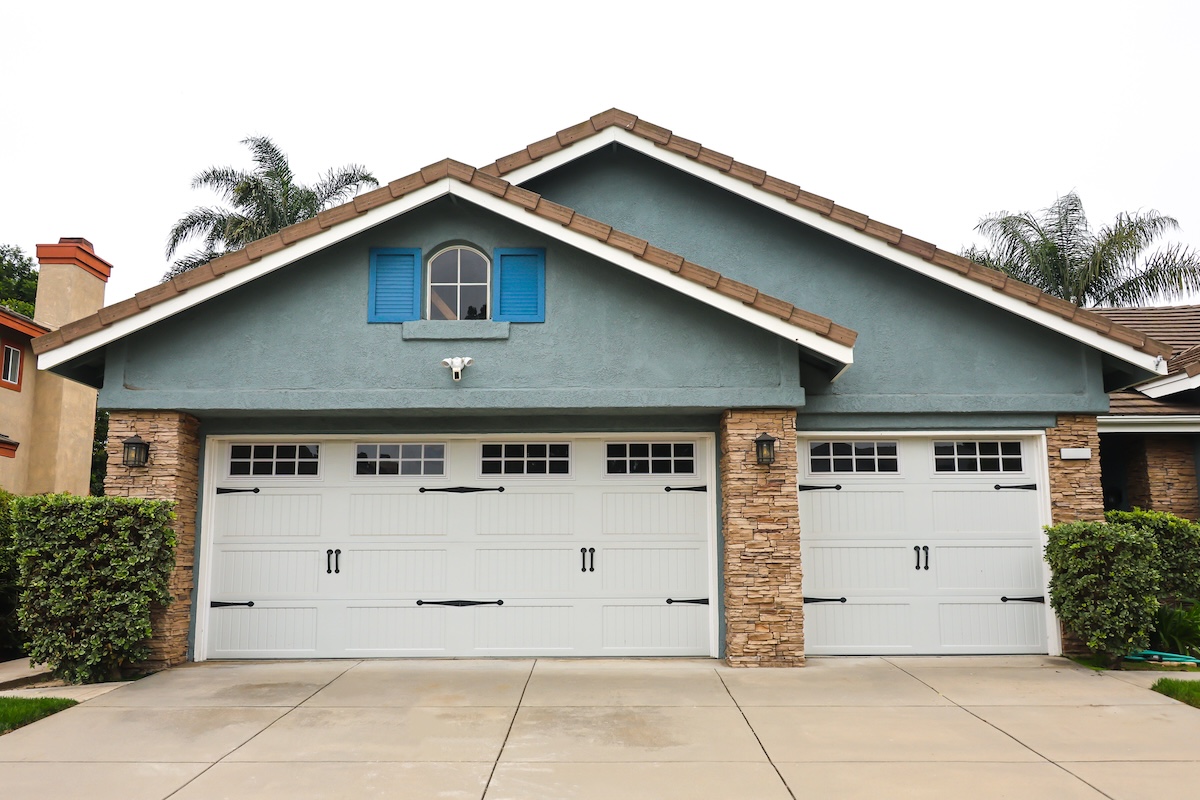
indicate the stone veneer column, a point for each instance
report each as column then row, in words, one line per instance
column 764, row 603
column 172, row 474
column 1162, row 476
column 1075, row 490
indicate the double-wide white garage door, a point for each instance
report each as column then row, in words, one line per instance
column 516, row 545
column 915, row 545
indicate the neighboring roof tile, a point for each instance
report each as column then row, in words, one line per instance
column 1177, row 326
column 521, row 198
column 1152, row 345
column 1132, row 402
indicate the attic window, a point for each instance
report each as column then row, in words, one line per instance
column 459, row 284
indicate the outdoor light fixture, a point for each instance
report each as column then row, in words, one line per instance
column 136, row 451
column 764, row 448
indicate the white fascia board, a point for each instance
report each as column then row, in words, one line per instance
column 838, row 353
column 1149, row 423
column 239, row 277
column 846, row 233
column 1163, row 387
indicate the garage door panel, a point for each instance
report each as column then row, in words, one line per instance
column 1013, row 627
column 985, row 512
column 857, row 566
column 267, row 573
column 525, row 514
column 269, row 515
column 519, row 628
column 997, row 568
column 396, row 630
column 652, row 570
column 389, row 572
column 827, row 512
column 654, row 513
column 861, row 626
column 536, row 571
column 632, row 629
column 399, row 514
column 264, row 631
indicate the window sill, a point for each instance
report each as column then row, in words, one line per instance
column 448, row 330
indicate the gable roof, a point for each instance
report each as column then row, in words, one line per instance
column 20, row 323
column 831, row 342
column 1106, row 335
column 1178, row 327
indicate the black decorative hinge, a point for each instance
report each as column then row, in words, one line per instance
column 702, row 601
column 808, row 488
column 220, row 604
column 1027, row 486
column 460, row 603
column 223, row 490
column 1035, row 599
column 685, row 488
column 464, row 489
column 824, row 599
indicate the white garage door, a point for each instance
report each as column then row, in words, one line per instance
column 520, row 545
column 922, row 545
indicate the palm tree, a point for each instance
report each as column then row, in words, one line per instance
column 1057, row 252
column 265, row 200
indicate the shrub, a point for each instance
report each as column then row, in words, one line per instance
column 1178, row 549
column 10, row 636
column 1105, row 584
column 1177, row 629
column 91, row 571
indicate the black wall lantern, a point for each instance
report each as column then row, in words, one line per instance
column 136, row 451
column 764, row 448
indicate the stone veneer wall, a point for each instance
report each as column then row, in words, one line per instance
column 764, row 603
column 1075, row 490
column 1162, row 476
column 172, row 474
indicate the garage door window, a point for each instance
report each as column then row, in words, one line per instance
column 853, row 457
column 977, row 456
column 271, row 460
column 524, row 458
column 650, row 458
column 400, row 459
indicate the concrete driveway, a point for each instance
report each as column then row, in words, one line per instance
column 1019, row 727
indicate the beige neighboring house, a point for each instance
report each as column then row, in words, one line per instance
column 46, row 421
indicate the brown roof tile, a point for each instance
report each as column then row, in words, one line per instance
column 576, row 132
column 194, row 277
column 522, row 197
column 301, row 230
column 80, row 328
column 230, row 262
column 1177, row 326
column 737, row 290
column 814, row 202
column 852, row 218
column 155, row 295
column 373, row 198
column 590, row 227
column 489, row 184
column 698, row 274
column 265, row 246
column 550, row 210
column 409, row 183
column 951, row 261
column 514, row 161
column 436, row 171
column 544, row 148
column 1133, row 402
column 918, row 247
column 627, row 242
column 337, row 214
column 881, row 231
column 663, row 258
column 748, row 173
column 47, row 342
column 715, row 159
column 773, row 306
column 781, row 188
column 685, row 146
column 119, row 311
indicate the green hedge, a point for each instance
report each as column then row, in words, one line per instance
column 10, row 637
column 91, row 571
column 1178, row 542
column 1105, row 584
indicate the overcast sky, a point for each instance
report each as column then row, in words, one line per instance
column 925, row 115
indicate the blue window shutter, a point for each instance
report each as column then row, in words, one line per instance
column 395, row 290
column 519, row 284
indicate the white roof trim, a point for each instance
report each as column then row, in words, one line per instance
column 846, row 233
column 1172, row 384
column 839, row 354
column 1149, row 423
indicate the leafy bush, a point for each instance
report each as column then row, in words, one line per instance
column 1177, row 629
column 91, row 571
column 1178, row 549
column 10, row 636
column 1105, row 584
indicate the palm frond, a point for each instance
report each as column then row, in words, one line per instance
column 197, row 259
column 340, row 184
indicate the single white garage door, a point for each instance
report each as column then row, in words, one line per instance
column 925, row 545
column 507, row 546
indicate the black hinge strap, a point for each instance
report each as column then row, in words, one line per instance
column 809, row 488
column 1027, row 486
column 701, row 601
column 685, row 488
column 464, row 489
column 824, row 599
column 223, row 490
column 1036, row 599
column 220, row 604
column 460, row 603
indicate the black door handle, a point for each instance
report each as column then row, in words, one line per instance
column 460, row 603
column 592, row 553
column 1034, row 599
column 824, row 599
column 1026, row 486
column 583, row 559
column 463, row 489
column 685, row 488
column 917, row 550
column 328, row 562
column 925, row 548
column 223, row 490
column 804, row 487
column 337, row 561
column 222, row 604
column 700, row 601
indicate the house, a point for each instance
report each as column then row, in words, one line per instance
column 1150, row 438
column 613, row 394
column 46, row 421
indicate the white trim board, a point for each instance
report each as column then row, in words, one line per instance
column 839, row 354
column 846, row 233
column 1149, row 423
column 1171, row 384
